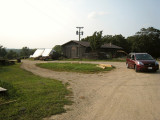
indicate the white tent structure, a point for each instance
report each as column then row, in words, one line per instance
column 42, row 52
column 37, row 53
column 47, row 52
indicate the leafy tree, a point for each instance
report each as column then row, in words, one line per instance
column 148, row 31
column 118, row 40
column 11, row 55
column 26, row 52
column 58, row 49
column 146, row 40
column 32, row 51
column 87, row 39
column 96, row 40
column 108, row 38
column 2, row 52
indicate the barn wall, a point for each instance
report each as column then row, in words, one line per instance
column 73, row 50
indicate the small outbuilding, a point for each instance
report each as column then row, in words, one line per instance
column 82, row 49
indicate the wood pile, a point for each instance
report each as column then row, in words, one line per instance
column 103, row 66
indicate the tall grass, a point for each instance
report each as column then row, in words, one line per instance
column 36, row 97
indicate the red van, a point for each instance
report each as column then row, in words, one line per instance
column 142, row 62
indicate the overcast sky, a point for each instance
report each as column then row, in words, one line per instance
column 46, row 23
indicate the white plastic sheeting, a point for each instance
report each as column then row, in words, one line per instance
column 42, row 52
column 47, row 52
column 38, row 53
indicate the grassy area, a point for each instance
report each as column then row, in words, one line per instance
column 73, row 67
column 107, row 60
column 36, row 97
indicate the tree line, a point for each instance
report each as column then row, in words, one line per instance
column 25, row 52
column 145, row 40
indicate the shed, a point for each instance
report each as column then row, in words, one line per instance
column 82, row 49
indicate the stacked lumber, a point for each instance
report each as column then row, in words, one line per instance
column 103, row 66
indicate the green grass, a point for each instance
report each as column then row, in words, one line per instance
column 36, row 97
column 73, row 67
column 107, row 60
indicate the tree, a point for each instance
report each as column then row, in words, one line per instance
column 108, row 38
column 96, row 40
column 146, row 40
column 2, row 52
column 32, row 51
column 87, row 39
column 118, row 40
column 148, row 31
column 11, row 55
column 58, row 49
column 26, row 52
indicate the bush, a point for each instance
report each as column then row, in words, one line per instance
column 56, row 56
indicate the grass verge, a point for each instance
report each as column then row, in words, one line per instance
column 107, row 60
column 36, row 97
column 73, row 67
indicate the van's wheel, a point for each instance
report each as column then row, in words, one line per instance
column 135, row 67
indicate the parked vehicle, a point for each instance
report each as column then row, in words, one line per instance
column 142, row 62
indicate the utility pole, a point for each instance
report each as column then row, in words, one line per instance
column 79, row 32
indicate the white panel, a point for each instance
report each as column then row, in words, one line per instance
column 47, row 52
column 38, row 53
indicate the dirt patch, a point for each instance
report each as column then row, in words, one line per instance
column 121, row 94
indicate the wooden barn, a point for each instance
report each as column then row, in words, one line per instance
column 82, row 49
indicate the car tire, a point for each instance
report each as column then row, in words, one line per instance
column 135, row 67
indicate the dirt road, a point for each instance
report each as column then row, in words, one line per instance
column 121, row 94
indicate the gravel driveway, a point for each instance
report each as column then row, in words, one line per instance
column 121, row 94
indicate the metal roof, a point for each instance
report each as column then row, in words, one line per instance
column 109, row 45
column 83, row 43
column 87, row 44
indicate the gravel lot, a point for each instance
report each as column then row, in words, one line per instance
column 120, row 94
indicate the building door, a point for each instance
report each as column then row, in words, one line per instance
column 74, row 52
